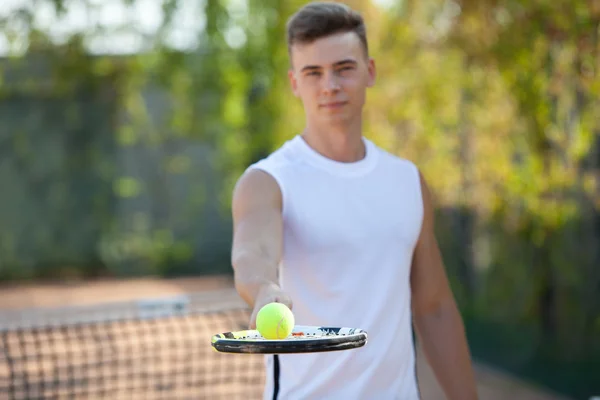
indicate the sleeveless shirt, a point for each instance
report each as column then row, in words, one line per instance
column 350, row 230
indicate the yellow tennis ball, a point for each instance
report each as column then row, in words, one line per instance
column 275, row 321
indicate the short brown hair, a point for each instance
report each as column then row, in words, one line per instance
column 317, row 20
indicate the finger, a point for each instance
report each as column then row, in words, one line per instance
column 284, row 299
column 252, row 323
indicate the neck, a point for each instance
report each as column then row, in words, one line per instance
column 343, row 144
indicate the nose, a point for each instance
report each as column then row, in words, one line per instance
column 330, row 83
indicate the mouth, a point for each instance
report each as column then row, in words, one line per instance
column 334, row 105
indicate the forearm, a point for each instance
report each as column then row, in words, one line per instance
column 442, row 336
column 257, row 239
column 252, row 273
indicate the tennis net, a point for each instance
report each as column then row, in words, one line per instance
column 144, row 349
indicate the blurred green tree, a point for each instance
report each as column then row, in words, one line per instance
column 121, row 140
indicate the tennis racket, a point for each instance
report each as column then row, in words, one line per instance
column 303, row 339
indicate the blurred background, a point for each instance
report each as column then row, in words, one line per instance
column 125, row 123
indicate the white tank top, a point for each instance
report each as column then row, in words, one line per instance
column 349, row 234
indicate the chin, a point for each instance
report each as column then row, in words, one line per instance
column 338, row 115
column 337, row 121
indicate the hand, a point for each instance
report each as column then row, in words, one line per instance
column 268, row 293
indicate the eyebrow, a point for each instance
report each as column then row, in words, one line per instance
column 336, row 64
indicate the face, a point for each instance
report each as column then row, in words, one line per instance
column 330, row 76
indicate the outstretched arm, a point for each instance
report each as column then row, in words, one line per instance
column 257, row 240
column 437, row 320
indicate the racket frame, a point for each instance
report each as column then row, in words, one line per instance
column 303, row 339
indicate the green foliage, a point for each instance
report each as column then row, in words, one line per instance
column 124, row 164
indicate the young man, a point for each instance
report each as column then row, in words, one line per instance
column 342, row 231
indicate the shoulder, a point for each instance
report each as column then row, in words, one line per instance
column 255, row 190
column 261, row 182
column 409, row 171
column 394, row 159
column 279, row 166
column 282, row 157
column 399, row 165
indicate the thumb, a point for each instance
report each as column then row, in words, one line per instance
column 286, row 300
column 252, row 324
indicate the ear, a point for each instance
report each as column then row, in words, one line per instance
column 372, row 71
column 293, row 81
